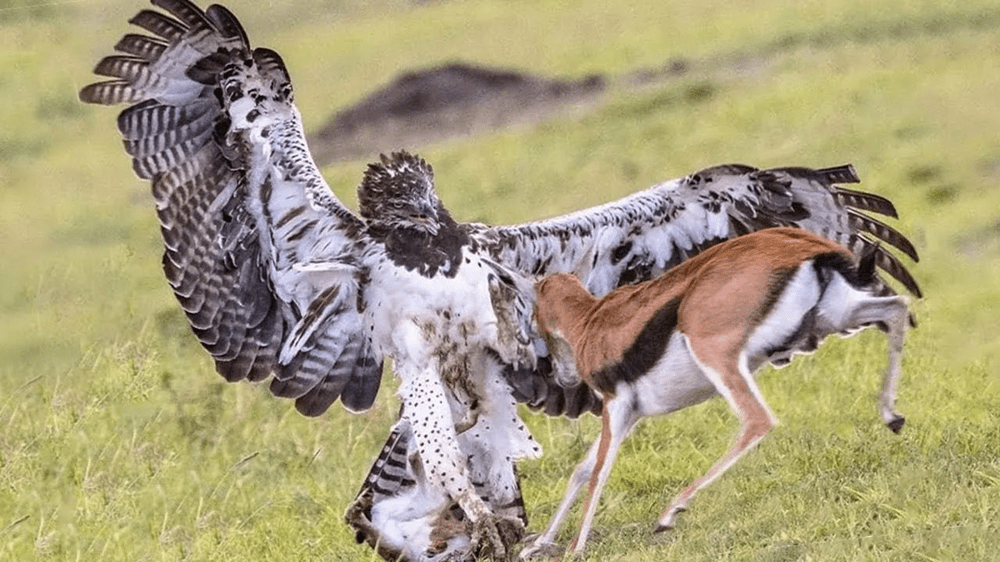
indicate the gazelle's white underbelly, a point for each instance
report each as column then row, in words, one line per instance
column 673, row 383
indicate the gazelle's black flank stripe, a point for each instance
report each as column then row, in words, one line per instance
column 640, row 357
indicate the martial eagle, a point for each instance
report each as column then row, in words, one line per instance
column 280, row 280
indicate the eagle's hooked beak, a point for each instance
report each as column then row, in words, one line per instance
column 427, row 220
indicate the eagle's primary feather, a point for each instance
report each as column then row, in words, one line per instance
column 280, row 280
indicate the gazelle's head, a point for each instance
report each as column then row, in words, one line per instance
column 554, row 296
column 560, row 303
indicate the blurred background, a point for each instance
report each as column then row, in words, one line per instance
column 118, row 441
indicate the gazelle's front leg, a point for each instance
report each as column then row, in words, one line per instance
column 618, row 418
column 545, row 545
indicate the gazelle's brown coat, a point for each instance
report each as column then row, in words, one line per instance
column 702, row 329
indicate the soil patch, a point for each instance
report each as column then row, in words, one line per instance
column 438, row 103
column 422, row 107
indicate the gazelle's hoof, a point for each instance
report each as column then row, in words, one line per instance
column 667, row 523
column 540, row 550
column 897, row 424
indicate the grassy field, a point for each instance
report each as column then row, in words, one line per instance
column 118, row 441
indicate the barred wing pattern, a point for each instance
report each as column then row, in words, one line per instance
column 260, row 254
column 642, row 235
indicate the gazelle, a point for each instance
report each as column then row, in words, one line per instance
column 702, row 329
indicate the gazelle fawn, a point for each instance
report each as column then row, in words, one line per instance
column 702, row 329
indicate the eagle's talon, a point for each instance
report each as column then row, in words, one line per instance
column 486, row 538
column 511, row 530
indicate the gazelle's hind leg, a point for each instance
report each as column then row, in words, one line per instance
column 887, row 398
column 894, row 313
column 733, row 380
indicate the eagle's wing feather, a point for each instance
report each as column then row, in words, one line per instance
column 260, row 254
column 644, row 234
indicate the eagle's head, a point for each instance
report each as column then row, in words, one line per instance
column 398, row 193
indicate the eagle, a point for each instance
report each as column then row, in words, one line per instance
column 281, row 282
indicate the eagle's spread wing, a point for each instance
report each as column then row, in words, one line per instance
column 642, row 235
column 259, row 252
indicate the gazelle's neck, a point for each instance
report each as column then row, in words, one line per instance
column 563, row 307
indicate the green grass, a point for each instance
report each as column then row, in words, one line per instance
column 118, row 441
